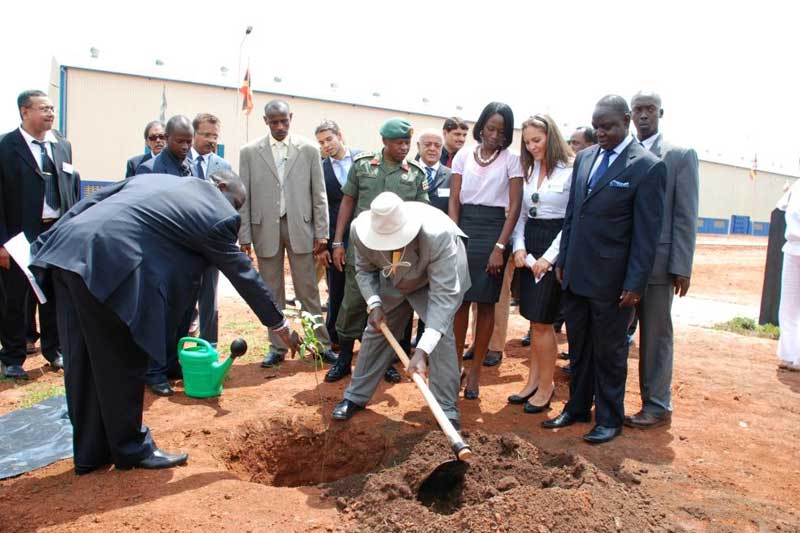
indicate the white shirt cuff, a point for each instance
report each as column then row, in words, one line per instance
column 519, row 243
column 373, row 302
column 551, row 256
column 430, row 338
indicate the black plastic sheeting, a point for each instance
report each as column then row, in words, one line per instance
column 35, row 437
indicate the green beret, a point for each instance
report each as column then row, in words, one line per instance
column 396, row 128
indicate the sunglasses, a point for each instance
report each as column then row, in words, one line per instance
column 535, row 201
column 154, row 138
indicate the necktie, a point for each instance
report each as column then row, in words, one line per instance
column 200, row 173
column 429, row 176
column 186, row 169
column 50, row 176
column 600, row 169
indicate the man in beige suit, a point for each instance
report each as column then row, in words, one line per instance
column 286, row 211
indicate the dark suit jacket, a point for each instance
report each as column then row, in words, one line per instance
column 134, row 162
column 334, row 192
column 440, row 181
column 22, row 186
column 164, row 163
column 609, row 238
column 676, row 244
column 142, row 245
column 215, row 164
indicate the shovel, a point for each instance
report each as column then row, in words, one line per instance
column 450, row 473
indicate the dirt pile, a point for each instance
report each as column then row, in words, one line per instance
column 511, row 485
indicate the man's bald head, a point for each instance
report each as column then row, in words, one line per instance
column 179, row 136
column 230, row 185
column 611, row 120
column 647, row 112
column 278, row 117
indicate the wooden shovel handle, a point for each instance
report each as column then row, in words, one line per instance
column 450, row 432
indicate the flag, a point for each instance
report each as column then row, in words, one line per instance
column 247, row 93
column 754, row 168
column 163, row 112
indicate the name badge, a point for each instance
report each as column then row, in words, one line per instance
column 66, row 167
column 443, row 193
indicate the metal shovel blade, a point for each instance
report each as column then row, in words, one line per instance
column 442, row 482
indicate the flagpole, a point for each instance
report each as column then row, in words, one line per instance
column 247, row 33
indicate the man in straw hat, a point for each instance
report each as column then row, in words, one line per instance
column 409, row 255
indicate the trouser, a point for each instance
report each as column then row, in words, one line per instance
column 31, row 329
column 377, row 355
column 596, row 330
column 170, row 368
column 336, row 281
column 304, row 279
column 13, row 318
column 208, row 305
column 352, row 318
column 103, row 374
column 655, row 348
column 502, row 309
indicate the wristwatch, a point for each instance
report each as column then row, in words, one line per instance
column 501, row 247
column 337, row 245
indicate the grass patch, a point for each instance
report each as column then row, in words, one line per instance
column 747, row 326
column 39, row 393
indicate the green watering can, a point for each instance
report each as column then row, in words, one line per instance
column 203, row 374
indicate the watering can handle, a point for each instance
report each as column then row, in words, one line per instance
column 196, row 340
column 463, row 451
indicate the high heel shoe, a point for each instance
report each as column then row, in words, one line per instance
column 516, row 399
column 533, row 409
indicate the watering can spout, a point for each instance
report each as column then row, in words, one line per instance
column 220, row 369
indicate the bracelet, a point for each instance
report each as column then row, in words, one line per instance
column 499, row 246
column 337, row 245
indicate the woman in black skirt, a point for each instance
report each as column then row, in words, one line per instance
column 486, row 183
column 547, row 163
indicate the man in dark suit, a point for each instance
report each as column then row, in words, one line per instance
column 155, row 138
column 672, row 269
column 608, row 245
column 206, row 162
column 38, row 184
column 126, row 265
column 335, row 167
column 454, row 131
column 175, row 160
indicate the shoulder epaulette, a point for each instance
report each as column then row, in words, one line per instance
column 417, row 164
column 362, row 155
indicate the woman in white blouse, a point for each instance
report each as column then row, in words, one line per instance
column 789, row 312
column 546, row 161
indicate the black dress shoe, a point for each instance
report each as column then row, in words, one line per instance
column 157, row 460
column 15, row 372
column 58, row 362
column 329, row 357
column 526, row 340
column 516, row 399
column 492, row 358
column 533, row 409
column 601, row 434
column 272, row 359
column 345, row 410
column 471, row 394
column 468, row 355
column 81, row 470
column 565, row 419
column 337, row 372
column 162, row 389
column 392, row 375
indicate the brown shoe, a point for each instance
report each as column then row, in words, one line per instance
column 644, row 420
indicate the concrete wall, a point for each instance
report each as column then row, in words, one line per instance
column 106, row 114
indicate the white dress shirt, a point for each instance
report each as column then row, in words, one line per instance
column 650, row 141
column 553, row 199
column 614, row 154
column 36, row 151
column 280, row 149
column 341, row 167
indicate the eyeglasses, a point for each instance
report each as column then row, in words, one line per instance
column 154, row 138
column 535, row 201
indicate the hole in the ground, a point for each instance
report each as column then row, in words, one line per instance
column 292, row 453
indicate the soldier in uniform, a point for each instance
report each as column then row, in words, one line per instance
column 371, row 174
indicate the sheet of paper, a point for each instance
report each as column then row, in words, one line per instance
column 530, row 261
column 19, row 249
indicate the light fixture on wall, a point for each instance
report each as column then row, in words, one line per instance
column 459, row 108
column 94, row 52
column 425, row 100
column 223, row 70
column 334, row 85
column 277, row 79
column 376, row 94
column 159, row 63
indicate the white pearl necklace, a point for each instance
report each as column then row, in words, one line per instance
column 483, row 161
